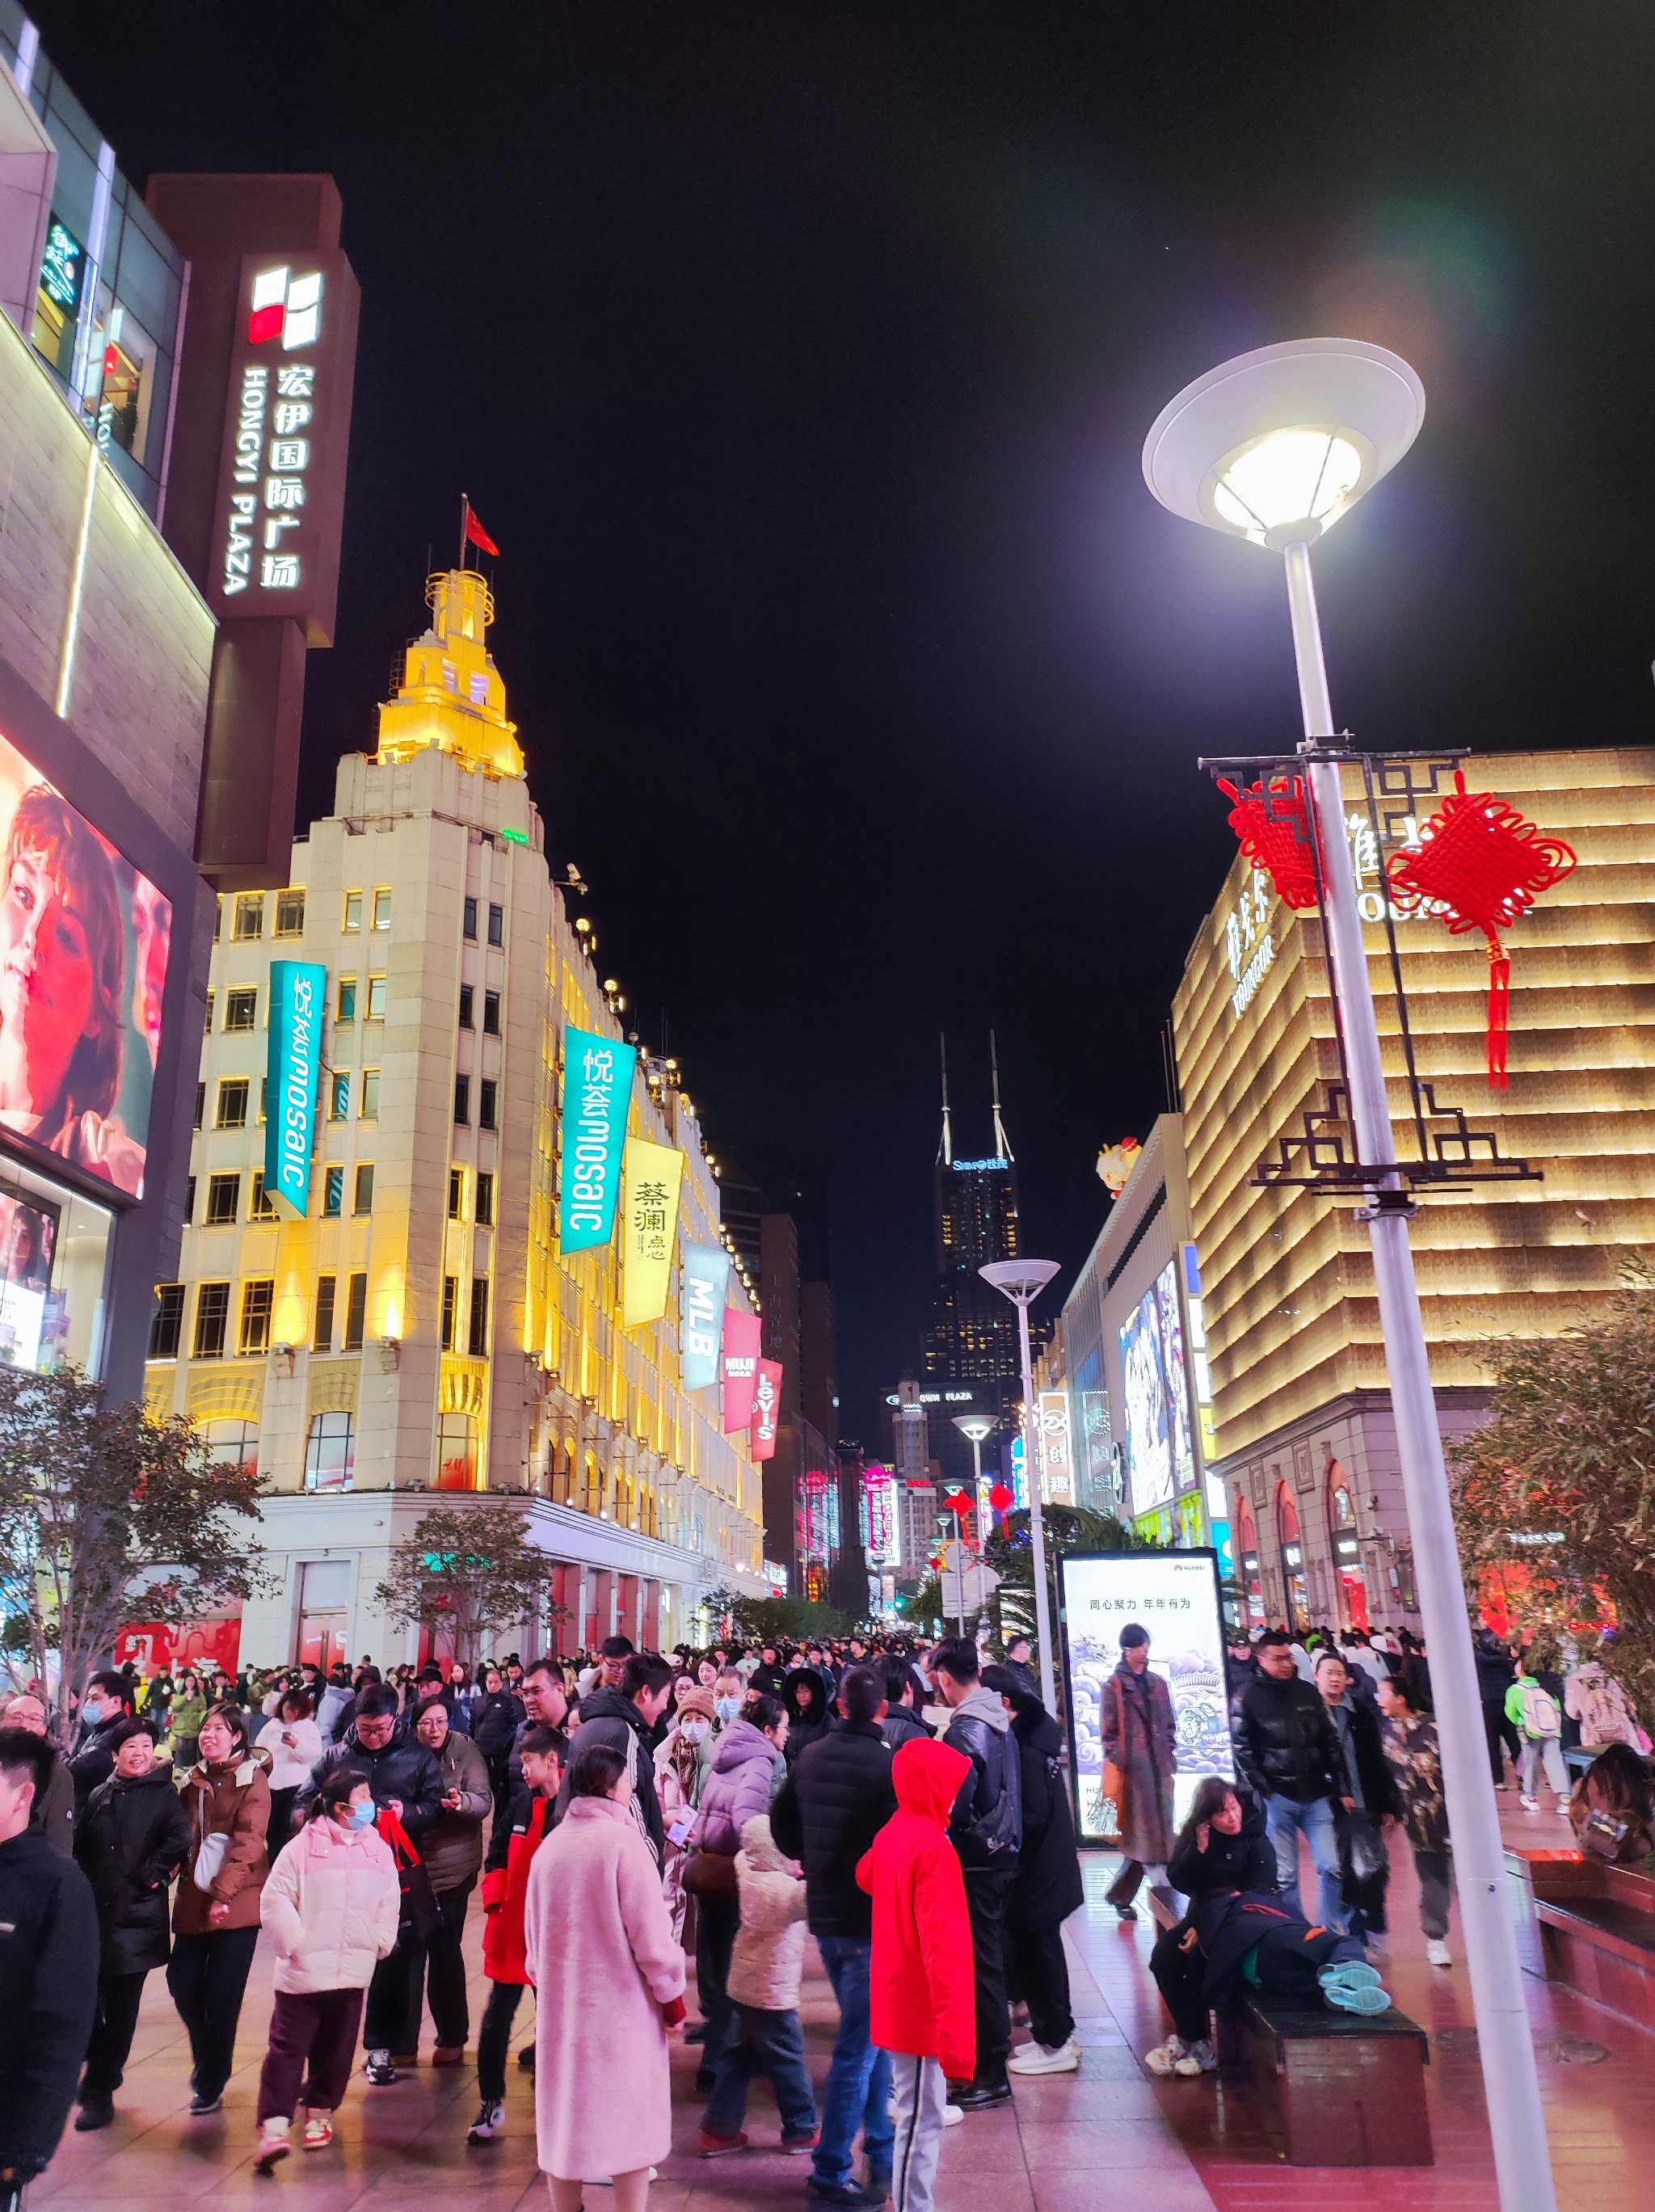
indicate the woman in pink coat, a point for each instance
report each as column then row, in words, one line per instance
column 608, row 1977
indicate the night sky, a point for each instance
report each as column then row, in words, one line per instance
column 799, row 358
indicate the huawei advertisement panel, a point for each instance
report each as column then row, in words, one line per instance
column 1160, row 1454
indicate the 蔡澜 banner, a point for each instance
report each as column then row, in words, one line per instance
column 293, row 1065
column 597, row 1090
column 742, row 1334
column 766, row 1408
column 1174, row 1596
column 706, row 1286
column 649, row 1226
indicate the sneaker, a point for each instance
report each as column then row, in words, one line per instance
column 489, row 2123
column 953, row 2117
column 380, row 2069
column 1438, row 1953
column 979, row 2096
column 1356, row 1996
column 711, row 2146
column 448, row 2054
column 1126, row 1912
column 273, row 2145
column 318, row 2130
column 797, row 2145
column 95, row 2112
column 1352, row 1973
column 1199, row 2058
column 846, row 2194
column 1163, row 2059
column 1044, row 2058
column 201, row 2102
column 1529, row 1804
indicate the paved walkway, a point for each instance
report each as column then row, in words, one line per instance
column 1109, row 2136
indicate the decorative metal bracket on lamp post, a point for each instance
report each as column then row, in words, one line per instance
column 1023, row 1281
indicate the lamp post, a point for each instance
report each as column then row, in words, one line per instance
column 1023, row 1281
column 977, row 1428
column 1274, row 446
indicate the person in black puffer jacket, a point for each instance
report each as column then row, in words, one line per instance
column 986, row 1829
column 1046, row 1887
column 625, row 1719
column 496, row 1717
column 901, row 1723
column 809, row 1719
column 1288, row 1752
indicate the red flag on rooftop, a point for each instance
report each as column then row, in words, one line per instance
column 475, row 533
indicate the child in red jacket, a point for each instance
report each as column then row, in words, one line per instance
column 923, row 2007
column 505, row 1884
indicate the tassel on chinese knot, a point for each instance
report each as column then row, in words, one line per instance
column 1274, row 828
column 1480, row 864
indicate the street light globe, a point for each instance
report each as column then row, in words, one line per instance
column 1276, row 445
column 1020, row 1280
column 976, row 1428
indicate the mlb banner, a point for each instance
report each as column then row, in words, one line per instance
column 597, row 1090
column 742, row 1334
column 706, row 1287
column 649, row 1217
column 299, row 990
column 766, row 1408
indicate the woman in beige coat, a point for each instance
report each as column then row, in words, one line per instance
column 608, row 1981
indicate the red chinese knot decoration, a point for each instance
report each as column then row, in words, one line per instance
column 1001, row 1498
column 956, row 1502
column 1479, row 865
column 1274, row 827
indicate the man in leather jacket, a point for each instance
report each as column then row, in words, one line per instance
column 1289, row 1755
column 986, row 1829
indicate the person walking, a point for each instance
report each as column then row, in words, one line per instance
column 762, row 2033
column 1140, row 1741
column 987, row 1831
column 48, row 1968
column 331, row 1904
column 1045, row 1888
column 1289, row 1753
column 836, row 1798
column 1494, row 1676
column 295, row 1744
column 1409, row 1742
column 608, row 1975
column 215, row 1915
column 453, row 1851
column 1538, row 1719
column 512, row 1846
column 923, row 2002
column 1364, row 1860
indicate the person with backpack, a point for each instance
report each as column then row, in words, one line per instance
column 987, row 1828
column 511, row 1847
column 1536, row 1714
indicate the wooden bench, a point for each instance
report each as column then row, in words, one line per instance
column 1349, row 2088
column 1589, row 1925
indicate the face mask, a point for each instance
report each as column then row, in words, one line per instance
column 728, row 1708
column 693, row 1731
column 363, row 1816
column 94, row 1710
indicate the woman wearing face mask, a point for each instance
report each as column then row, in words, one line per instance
column 331, row 1904
column 215, row 1916
column 681, row 1765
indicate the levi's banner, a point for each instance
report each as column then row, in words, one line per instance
column 706, row 1286
column 649, row 1218
column 766, row 1408
column 299, row 991
column 597, row 1090
column 742, row 1334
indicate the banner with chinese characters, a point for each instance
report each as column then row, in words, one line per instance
column 1057, row 1449
column 649, row 1217
column 766, row 1408
column 706, row 1286
column 597, row 1090
column 298, row 990
column 742, row 1334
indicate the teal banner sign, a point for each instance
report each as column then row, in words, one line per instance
column 597, row 1090
column 299, row 990
column 706, row 1286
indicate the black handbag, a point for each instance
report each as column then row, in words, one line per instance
column 418, row 1919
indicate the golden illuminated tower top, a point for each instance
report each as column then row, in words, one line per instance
column 451, row 696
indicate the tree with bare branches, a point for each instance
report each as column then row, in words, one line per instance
column 467, row 1572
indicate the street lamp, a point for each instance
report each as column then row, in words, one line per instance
column 1274, row 446
column 977, row 1428
column 1023, row 1281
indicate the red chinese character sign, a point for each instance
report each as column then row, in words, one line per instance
column 1480, row 864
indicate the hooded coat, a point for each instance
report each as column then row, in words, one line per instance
column 767, row 1961
column 608, row 1718
column 1048, row 1886
column 921, row 1981
column 987, row 1824
column 131, row 1841
column 805, row 1725
column 746, row 1772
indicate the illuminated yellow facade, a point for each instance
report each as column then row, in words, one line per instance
column 419, row 1329
column 1299, row 1380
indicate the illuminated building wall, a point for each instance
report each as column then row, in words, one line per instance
column 1303, row 1417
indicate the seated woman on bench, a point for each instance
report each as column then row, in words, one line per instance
column 1239, row 1931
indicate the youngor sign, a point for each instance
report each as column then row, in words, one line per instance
column 742, row 1336
column 653, row 1175
column 597, row 1089
column 766, row 1408
column 706, row 1287
column 1175, row 1596
column 298, row 990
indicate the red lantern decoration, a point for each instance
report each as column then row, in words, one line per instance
column 956, row 1502
column 1480, row 864
column 1001, row 1498
column 1274, row 828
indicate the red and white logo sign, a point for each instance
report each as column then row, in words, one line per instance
column 286, row 307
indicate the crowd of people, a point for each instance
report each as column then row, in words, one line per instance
column 630, row 1818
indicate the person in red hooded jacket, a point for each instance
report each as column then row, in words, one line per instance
column 922, row 1990
column 512, row 1849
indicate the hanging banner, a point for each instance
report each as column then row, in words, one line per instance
column 299, row 990
column 742, row 1334
column 649, row 1215
column 766, row 1408
column 706, row 1286
column 597, row 1089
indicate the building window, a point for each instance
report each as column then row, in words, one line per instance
column 456, row 1451
column 344, row 1007
column 486, row 1200
column 487, row 1104
column 352, row 910
column 470, row 925
column 376, row 998
column 231, row 1444
column 201, row 1103
column 232, row 1104
column 497, row 925
column 322, row 1335
column 167, row 1326
column 477, row 1339
column 257, row 1298
column 382, row 910
column 218, row 919
column 264, row 1098
column 333, row 1190
column 189, row 1200
column 339, row 1098
column 212, row 1318
column 241, row 1010
column 207, row 1025
column 249, row 916
column 491, row 1013
column 466, row 1006
column 223, row 1200
column 356, row 1311
column 331, row 1452
column 363, row 1200
column 290, row 913
column 461, row 1097
column 450, row 1294
column 370, row 1107
column 264, row 1206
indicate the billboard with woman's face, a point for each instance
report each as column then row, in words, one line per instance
column 84, row 942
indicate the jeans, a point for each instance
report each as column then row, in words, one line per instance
column 985, row 1901
column 858, row 2092
column 1537, row 1749
column 1435, row 1871
column 208, row 1977
column 313, row 2039
column 918, row 2098
column 767, row 2043
column 1036, row 1962
column 437, row 1966
column 495, row 2040
column 1284, row 1819
column 113, row 2025
column 718, row 1920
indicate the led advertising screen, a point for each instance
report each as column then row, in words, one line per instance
column 1175, row 1596
column 28, row 1243
column 1160, row 1457
column 84, row 943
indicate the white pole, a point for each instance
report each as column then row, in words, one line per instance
column 1510, row 2078
column 1036, row 1519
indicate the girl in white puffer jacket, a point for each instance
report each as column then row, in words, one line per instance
column 332, row 1902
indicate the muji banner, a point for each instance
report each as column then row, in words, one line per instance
column 706, row 1286
column 597, row 1089
column 649, row 1228
column 298, row 990
column 742, row 1334
column 766, row 1408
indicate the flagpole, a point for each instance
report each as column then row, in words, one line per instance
column 466, row 516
